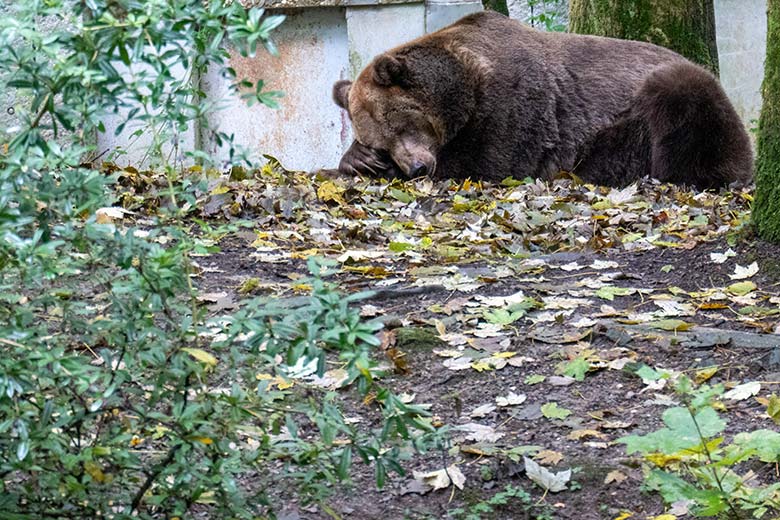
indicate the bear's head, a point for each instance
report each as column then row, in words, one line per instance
column 409, row 103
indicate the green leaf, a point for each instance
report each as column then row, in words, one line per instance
column 534, row 379
column 608, row 292
column 502, row 316
column 401, row 196
column 741, row 288
column 671, row 324
column 681, row 432
column 345, row 462
column 576, row 368
column 553, row 411
column 22, row 449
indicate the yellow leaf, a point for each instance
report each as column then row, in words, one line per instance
column 661, row 460
column 202, row 356
column 440, row 327
column 704, row 374
column 712, row 306
column 624, row 515
column 663, row 517
column 219, row 190
column 505, row 355
column 283, row 384
column 481, row 366
column 576, row 435
column 671, row 324
column 94, row 470
column 306, row 253
column 330, row 191
column 261, row 242
column 548, row 457
column 280, row 382
column 202, row 440
column 773, row 408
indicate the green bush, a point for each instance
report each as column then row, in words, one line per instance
column 118, row 397
column 690, row 460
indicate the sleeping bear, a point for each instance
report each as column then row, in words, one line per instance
column 489, row 98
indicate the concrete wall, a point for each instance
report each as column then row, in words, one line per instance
column 307, row 131
column 741, row 33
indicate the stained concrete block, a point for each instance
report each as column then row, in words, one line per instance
column 309, row 130
column 741, row 33
column 441, row 13
column 374, row 29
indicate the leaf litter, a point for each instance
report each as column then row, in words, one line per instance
column 524, row 284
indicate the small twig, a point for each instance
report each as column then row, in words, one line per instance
column 151, row 477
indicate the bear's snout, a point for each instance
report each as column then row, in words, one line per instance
column 418, row 169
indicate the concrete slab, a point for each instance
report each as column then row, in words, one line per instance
column 308, row 131
column 741, row 33
column 375, row 29
column 441, row 13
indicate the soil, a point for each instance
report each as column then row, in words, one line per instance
column 603, row 396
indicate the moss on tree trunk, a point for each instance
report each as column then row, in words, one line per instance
column 685, row 26
column 766, row 207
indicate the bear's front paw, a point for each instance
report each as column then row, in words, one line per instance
column 362, row 160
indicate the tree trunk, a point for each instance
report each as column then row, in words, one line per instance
column 499, row 6
column 766, row 207
column 685, row 26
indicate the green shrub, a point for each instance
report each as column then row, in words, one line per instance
column 118, row 398
column 690, row 460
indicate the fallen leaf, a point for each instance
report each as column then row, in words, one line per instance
column 535, row 379
column 704, row 374
column 512, row 399
column 553, row 411
column 479, row 432
column 742, row 273
column 743, row 391
column 482, row 411
column 741, row 288
column 576, row 435
column 330, row 191
column 614, row 476
column 720, row 258
column 773, row 408
column 109, row 215
column 442, row 478
column 544, row 478
column 549, row 457
column 671, row 325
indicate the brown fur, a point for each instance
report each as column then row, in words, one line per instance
column 490, row 98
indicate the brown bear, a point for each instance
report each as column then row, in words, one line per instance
column 489, row 98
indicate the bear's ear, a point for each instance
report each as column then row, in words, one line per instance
column 341, row 93
column 389, row 70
